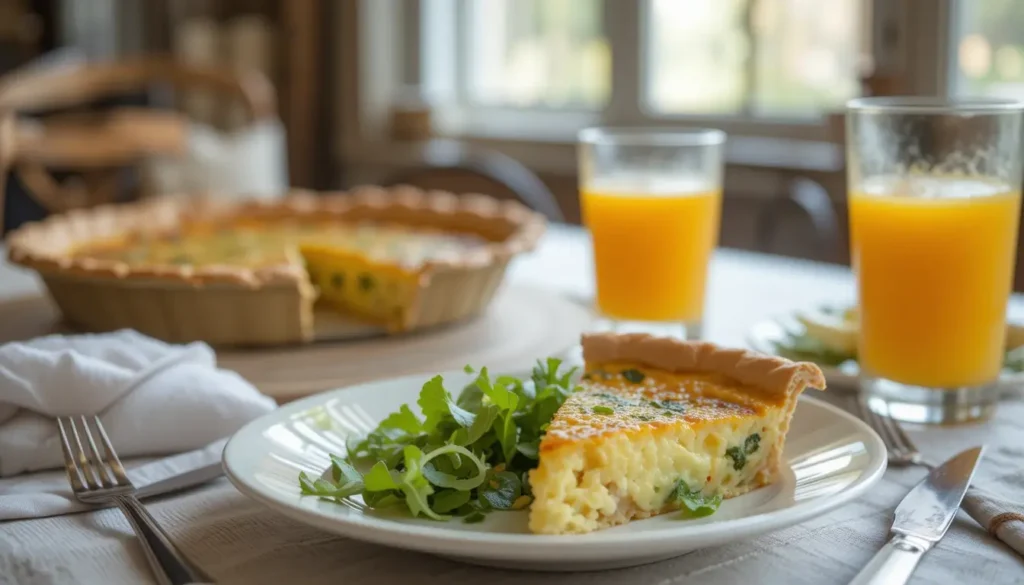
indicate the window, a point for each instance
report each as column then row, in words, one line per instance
column 989, row 48
column 527, row 74
column 537, row 53
column 734, row 60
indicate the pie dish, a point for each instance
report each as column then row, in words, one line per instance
column 249, row 272
column 662, row 424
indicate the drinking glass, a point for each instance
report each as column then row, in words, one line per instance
column 934, row 202
column 652, row 200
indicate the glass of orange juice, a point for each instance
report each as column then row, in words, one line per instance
column 934, row 202
column 652, row 199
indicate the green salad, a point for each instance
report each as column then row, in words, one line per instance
column 825, row 344
column 465, row 456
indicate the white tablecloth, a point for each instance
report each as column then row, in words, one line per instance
column 237, row 541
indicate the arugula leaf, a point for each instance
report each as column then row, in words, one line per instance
column 447, row 480
column 502, row 490
column 694, row 503
column 804, row 347
column 403, row 420
column 326, row 489
column 342, row 471
column 379, row 478
column 507, row 432
column 433, row 402
column 485, row 418
column 530, row 449
column 465, row 456
column 446, row 501
column 306, row 484
column 474, row 518
column 415, row 486
column 471, row 398
column 499, row 395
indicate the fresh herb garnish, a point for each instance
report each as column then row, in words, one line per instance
column 601, row 409
column 694, row 503
column 633, row 375
column 739, row 458
column 462, row 456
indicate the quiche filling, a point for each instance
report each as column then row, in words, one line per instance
column 368, row 270
column 637, row 441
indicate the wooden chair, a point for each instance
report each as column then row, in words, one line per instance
column 445, row 163
column 97, row 147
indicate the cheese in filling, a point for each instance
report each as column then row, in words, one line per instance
column 623, row 447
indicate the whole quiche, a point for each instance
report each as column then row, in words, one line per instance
column 249, row 272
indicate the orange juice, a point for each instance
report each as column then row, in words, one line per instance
column 934, row 274
column 651, row 249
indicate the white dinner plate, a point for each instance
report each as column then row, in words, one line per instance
column 832, row 458
column 764, row 336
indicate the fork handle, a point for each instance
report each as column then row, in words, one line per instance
column 169, row 566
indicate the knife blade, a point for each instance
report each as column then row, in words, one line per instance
column 921, row 520
column 182, row 481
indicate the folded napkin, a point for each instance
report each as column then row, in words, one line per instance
column 1002, row 518
column 48, row 493
column 152, row 397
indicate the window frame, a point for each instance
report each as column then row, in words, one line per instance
column 389, row 36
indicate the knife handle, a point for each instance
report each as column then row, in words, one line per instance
column 893, row 564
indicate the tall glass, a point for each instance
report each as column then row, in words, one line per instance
column 652, row 199
column 934, row 201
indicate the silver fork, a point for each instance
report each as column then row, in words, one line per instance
column 99, row 478
column 901, row 450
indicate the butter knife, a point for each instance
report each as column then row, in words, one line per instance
column 922, row 519
column 197, row 476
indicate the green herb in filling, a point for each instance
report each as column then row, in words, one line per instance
column 752, row 443
column 739, row 458
column 669, row 405
column 600, row 409
column 633, row 375
column 366, row 282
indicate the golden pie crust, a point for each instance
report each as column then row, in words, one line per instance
column 776, row 377
column 238, row 305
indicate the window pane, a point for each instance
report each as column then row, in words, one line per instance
column 806, row 57
column 537, row 53
column 990, row 48
column 697, row 55
column 765, row 57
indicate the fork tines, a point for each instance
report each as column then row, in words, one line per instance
column 87, row 469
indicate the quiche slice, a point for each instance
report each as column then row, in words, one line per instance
column 661, row 424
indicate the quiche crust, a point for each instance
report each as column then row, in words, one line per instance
column 657, row 415
column 260, row 305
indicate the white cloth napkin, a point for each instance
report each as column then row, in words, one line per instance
column 48, row 493
column 1002, row 518
column 152, row 397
